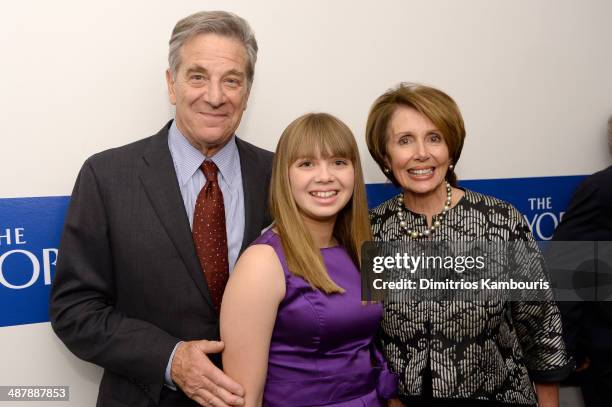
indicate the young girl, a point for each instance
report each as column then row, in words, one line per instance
column 295, row 329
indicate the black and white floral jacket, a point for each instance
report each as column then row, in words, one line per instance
column 475, row 349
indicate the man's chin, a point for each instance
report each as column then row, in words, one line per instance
column 211, row 142
column 214, row 139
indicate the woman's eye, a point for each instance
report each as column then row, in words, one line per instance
column 340, row 162
column 305, row 163
column 404, row 140
column 435, row 138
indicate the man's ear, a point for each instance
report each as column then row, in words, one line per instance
column 170, row 83
column 246, row 98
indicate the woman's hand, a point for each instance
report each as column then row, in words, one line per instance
column 584, row 365
column 395, row 403
column 548, row 394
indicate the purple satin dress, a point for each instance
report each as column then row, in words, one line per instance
column 321, row 350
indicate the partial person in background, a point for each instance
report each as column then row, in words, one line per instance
column 454, row 353
column 154, row 227
column 296, row 332
column 588, row 324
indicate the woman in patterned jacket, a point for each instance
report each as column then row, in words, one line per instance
column 454, row 353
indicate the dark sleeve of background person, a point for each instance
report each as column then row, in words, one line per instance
column 588, row 325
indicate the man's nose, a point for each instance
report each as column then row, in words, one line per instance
column 214, row 95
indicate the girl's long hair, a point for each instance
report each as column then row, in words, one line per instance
column 305, row 137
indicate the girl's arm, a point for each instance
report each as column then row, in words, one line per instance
column 248, row 313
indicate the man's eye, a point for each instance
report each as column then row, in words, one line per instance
column 197, row 78
column 232, row 82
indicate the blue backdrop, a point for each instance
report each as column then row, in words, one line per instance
column 30, row 230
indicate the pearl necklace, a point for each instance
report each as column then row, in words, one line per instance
column 436, row 220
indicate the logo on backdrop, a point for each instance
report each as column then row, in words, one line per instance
column 30, row 230
column 543, row 217
column 541, row 200
column 14, row 239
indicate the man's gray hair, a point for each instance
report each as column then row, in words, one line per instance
column 221, row 23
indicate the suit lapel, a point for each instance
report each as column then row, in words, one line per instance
column 159, row 180
column 255, row 190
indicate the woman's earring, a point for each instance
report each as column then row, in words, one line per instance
column 451, row 167
column 386, row 170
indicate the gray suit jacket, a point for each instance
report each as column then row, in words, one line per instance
column 128, row 284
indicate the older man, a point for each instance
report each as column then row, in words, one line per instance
column 155, row 226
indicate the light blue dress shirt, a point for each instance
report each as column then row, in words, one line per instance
column 187, row 161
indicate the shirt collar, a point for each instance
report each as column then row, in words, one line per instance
column 188, row 159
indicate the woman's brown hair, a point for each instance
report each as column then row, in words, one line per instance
column 432, row 103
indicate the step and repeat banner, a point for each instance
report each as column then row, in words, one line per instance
column 30, row 230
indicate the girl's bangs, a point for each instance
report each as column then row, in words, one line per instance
column 327, row 139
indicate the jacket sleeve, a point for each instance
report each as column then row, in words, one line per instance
column 537, row 322
column 83, row 297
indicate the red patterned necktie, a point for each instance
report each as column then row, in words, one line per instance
column 209, row 234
